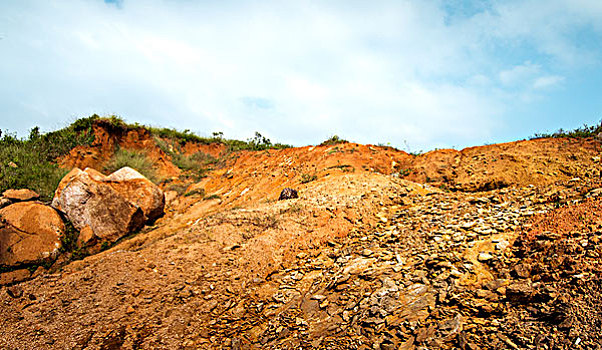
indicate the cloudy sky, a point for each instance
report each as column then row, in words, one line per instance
column 416, row 74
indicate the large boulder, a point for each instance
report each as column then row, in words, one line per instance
column 30, row 232
column 93, row 206
column 139, row 191
column 108, row 207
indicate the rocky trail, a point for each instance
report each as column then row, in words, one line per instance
column 365, row 258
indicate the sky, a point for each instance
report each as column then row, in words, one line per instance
column 416, row 75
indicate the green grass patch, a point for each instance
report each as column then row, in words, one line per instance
column 29, row 162
column 305, row 178
column 197, row 192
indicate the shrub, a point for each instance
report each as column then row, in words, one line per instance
column 404, row 172
column 333, row 140
column 584, row 131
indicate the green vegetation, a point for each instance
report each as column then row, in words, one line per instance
column 404, row 172
column 104, row 246
column 29, row 162
column 256, row 143
column 584, row 131
column 335, row 149
column 200, row 192
column 196, row 164
column 333, row 140
column 305, row 178
column 213, row 196
column 345, row 167
column 137, row 160
column 69, row 242
column 179, row 188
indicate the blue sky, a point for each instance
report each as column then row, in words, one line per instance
column 416, row 74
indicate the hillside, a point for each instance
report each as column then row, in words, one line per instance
column 488, row 247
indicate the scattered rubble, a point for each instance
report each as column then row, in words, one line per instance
column 365, row 259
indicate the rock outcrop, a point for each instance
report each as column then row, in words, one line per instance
column 139, row 191
column 30, row 233
column 92, row 204
column 107, row 207
column 20, row 195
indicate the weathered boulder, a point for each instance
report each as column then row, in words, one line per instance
column 139, row 191
column 30, row 232
column 20, row 195
column 91, row 203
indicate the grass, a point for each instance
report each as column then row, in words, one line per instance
column 200, row 192
column 213, row 196
column 29, row 162
column 179, row 188
column 196, row 164
column 69, row 242
column 334, row 150
column 257, row 143
column 305, row 178
column 137, row 160
column 404, row 172
column 584, row 131
column 344, row 167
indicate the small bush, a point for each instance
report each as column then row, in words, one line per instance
column 404, row 172
column 333, row 140
column 584, row 131
column 213, row 196
column 137, row 160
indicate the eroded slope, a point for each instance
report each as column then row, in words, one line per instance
column 364, row 258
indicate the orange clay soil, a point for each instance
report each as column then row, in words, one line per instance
column 235, row 268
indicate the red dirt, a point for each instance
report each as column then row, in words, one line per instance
column 107, row 140
column 214, row 272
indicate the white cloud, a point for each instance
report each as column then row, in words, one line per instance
column 380, row 72
column 547, row 81
column 519, row 74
